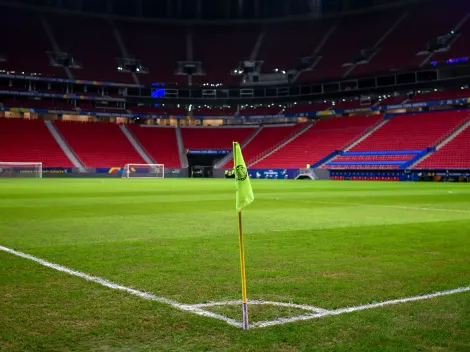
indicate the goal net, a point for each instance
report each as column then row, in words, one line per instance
column 143, row 171
column 19, row 169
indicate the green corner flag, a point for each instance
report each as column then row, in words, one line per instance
column 244, row 192
column 244, row 196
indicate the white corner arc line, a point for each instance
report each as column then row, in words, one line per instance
column 197, row 308
column 115, row 286
column 261, row 302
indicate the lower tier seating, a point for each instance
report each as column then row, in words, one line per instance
column 24, row 140
column 266, row 139
column 453, row 155
column 371, row 160
column 160, row 144
column 413, row 131
column 99, row 144
column 214, row 138
column 318, row 141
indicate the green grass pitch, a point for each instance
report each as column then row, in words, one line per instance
column 325, row 244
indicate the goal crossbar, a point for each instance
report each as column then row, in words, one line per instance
column 143, row 171
column 15, row 169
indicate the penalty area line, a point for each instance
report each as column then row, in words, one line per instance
column 115, row 286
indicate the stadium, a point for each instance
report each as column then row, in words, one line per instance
column 123, row 191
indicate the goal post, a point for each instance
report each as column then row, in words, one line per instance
column 143, row 171
column 9, row 169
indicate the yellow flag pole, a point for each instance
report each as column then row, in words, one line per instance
column 243, row 273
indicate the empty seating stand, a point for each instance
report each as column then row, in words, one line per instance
column 99, row 144
column 159, row 142
column 412, row 131
column 26, row 44
column 24, row 140
column 266, row 139
column 317, row 142
column 403, row 139
column 93, row 44
column 372, row 160
column 304, row 108
column 220, row 51
column 454, row 155
column 214, row 138
column 258, row 111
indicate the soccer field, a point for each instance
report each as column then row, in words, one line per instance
column 323, row 246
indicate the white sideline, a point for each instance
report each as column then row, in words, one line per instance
column 395, row 206
column 315, row 312
column 115, row 286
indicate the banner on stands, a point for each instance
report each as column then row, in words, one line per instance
column 208, row 152
column 273, row 173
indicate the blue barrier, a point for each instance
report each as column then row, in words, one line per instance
column 397, row 152
column 340, row 163
column 326, row 158
column 417, row 157
column 272, row 173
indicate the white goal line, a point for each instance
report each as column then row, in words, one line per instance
column 313, row 312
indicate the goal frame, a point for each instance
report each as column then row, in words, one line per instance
column 28, row 163
column 126, row 172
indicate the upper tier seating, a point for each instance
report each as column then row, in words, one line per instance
column 353, row 104
column 296, row 109
column 281, row 47
column 88, row 38
column 267, row 110
column 267, row 138
column 214, row 112
column 459, row 47
column 221, row 50
column 158, row 47
column 318, row 141
column 158, row 110
column 160, row 144
column 393, row 100
column 24, row 140
column 99, row 144
column 412, row 131
column 38, row 104
column 214, row 138
column 453, row 155
column 426, row 23
column 353, row 33
column 24, row 43
column 92, row 43
column 442, row 95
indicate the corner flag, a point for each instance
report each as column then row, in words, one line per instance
column 244, row 196
column 244, row 192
